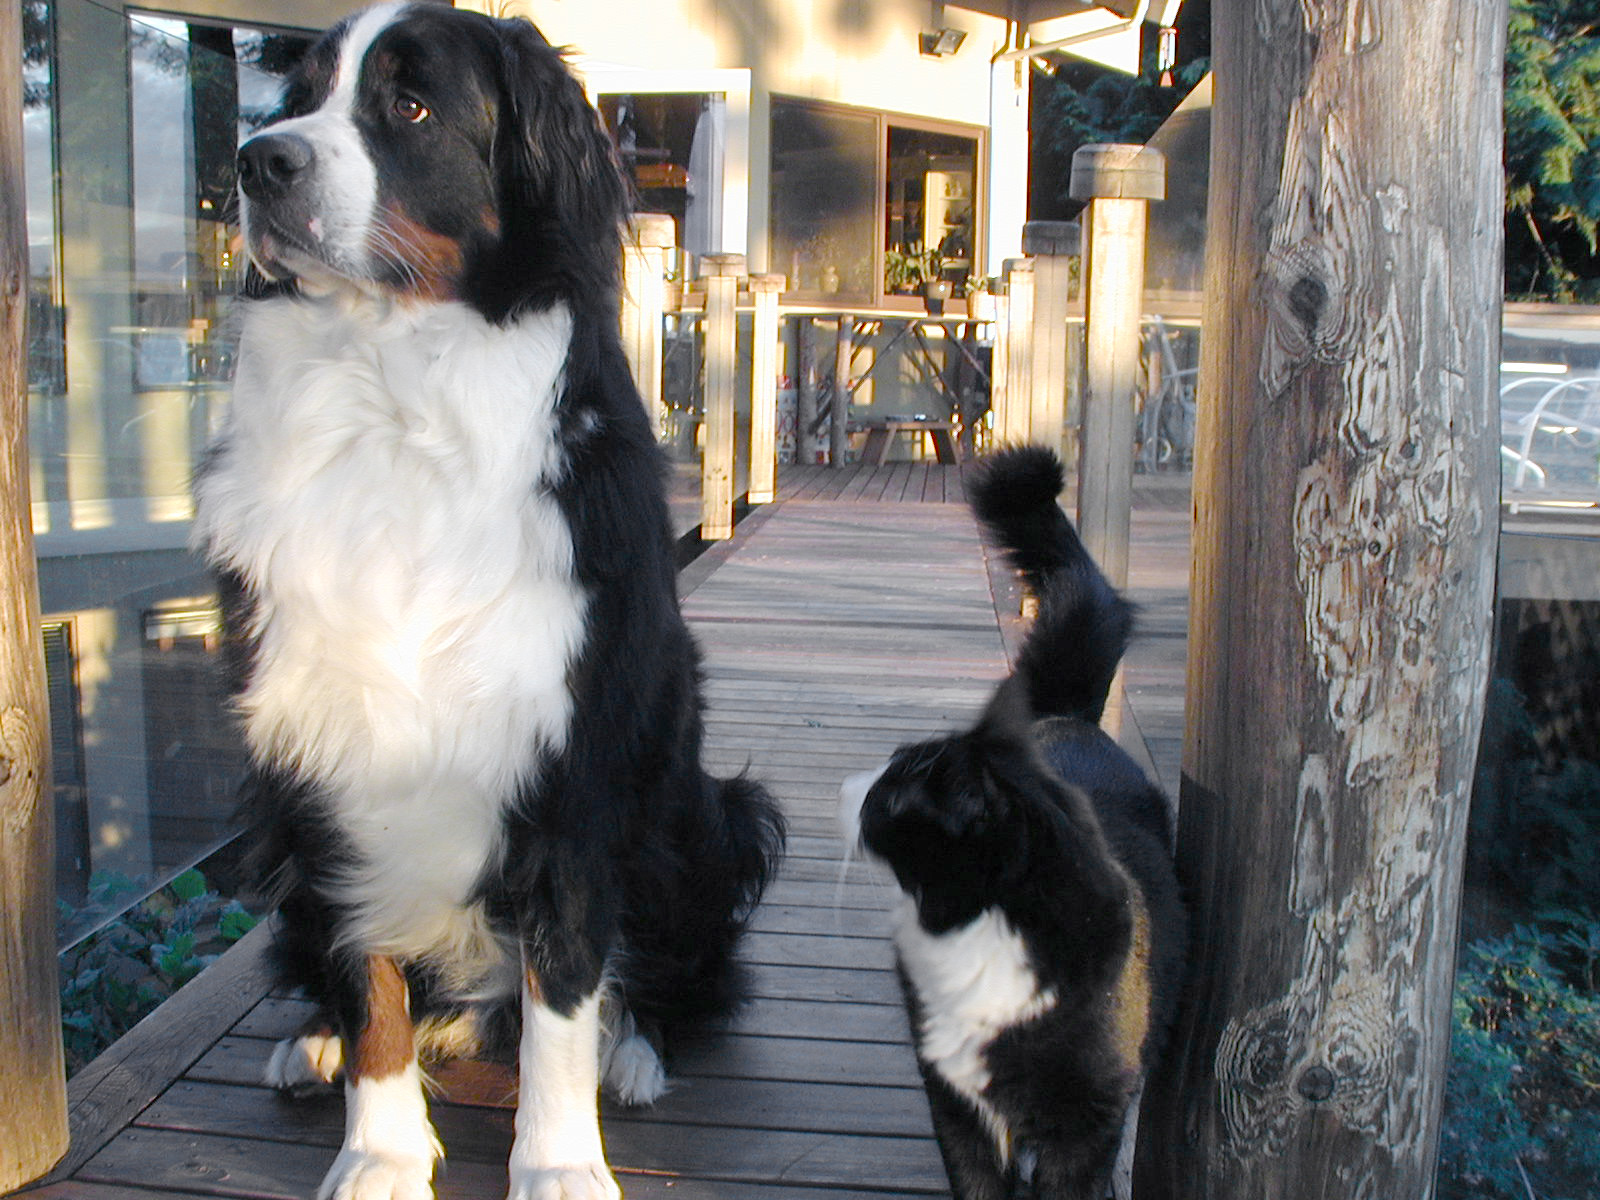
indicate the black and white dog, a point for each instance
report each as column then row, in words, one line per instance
column 437, row 517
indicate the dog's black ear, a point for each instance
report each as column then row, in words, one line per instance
column 563, row 197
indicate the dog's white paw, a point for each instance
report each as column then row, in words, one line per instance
column 633, row 1072
column 367, row 1175
column 311, row 1060
column 586, row 1181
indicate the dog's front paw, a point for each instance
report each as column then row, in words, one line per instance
column 367, row 1175
column 312, row 1060
column 586, row 1181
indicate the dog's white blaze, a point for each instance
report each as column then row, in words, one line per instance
column 346, row 178
column 383, row 482
column 389, row 1145
column 973, row 982
column 557, row 1149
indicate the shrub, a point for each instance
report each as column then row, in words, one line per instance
column 119, row 974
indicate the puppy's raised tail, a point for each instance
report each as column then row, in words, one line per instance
column 1082, row 628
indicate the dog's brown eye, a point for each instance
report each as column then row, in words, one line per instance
column 409, row 108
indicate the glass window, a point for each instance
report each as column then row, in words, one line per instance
column 131, row 123
column 672, row 146
column 866, row 207
column 824, row 201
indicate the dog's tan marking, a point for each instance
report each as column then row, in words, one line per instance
column 433, row 261
column 1130, row 1019
column 386, row 1045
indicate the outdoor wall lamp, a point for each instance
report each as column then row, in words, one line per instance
column 941, row 41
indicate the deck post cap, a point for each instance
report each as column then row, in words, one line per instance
column 768, row 283
column 654, row 230
column 1108, row 171
column 1058, row 239
column 722, row 264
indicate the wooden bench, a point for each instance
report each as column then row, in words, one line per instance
column 880, row 434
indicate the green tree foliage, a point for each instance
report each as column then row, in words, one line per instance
column 1552, row 105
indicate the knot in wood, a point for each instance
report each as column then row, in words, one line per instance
column 19, row 768
column 1316, row 1084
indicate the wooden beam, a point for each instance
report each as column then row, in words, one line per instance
column 764, row 291
column 1118, row 182
column 644, row 276
column 722, row 272
column 1346, row 512
column 33, row 1098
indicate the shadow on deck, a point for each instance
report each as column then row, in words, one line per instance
column 858, row 613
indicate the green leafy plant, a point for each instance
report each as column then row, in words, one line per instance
column 907, row 270
column 120, row 974
column 1552, row 113
column 1522, row 1114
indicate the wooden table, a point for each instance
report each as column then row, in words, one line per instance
column 880, row 434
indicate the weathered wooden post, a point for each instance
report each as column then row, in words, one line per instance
column 1345, row 527
column 722, row 273
column 33, row 1097
column 764, row 290
column 806, row 389
column 1118, row 182
column 644, row 278
column 999, row 400
column 839, row 425
column 1052, row 245
column 1013, row 426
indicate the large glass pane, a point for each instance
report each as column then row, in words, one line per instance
column 131, row 126
column 673, row 146
column 824, row 201
column 930, row 214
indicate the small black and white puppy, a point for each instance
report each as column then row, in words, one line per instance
column 1041, row 937
column 437, row 517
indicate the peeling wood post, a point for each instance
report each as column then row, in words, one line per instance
column 1118, row 182
column 1346, row 509
column 33, row 1095
column 764, row 290
column 1012, row 425
column 722, row 273
column 839, row 425
column 644, row 299
column 1052, row 245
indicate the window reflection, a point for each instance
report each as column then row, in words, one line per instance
column 131, row 123
column 824, row 201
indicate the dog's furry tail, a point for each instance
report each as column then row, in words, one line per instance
column 1082, row 628
column 707, row 876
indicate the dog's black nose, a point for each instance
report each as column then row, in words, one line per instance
column 270, row 163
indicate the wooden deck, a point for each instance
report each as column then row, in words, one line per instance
column 856, row 614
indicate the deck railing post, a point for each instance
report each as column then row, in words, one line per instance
column 644, row 293
column 1052, row 245
column 764, row 291
column 1118, row 182
column 33, row 1099
column 1012, row 422
column 839, row 426
column 806, row 389
column 721, row 273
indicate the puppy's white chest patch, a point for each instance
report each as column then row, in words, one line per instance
column 383, row 486
column 973, row 983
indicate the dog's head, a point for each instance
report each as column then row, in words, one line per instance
column 437, row 154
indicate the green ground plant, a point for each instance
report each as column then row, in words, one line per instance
column 119, row 974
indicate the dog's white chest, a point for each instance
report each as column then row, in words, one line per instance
column 383, row 486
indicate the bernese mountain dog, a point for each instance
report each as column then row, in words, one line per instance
column 437, row 517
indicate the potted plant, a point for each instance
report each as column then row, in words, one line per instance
column 914, row 269
column 981, row 290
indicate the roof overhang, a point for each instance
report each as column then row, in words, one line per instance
column 1029, row 12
